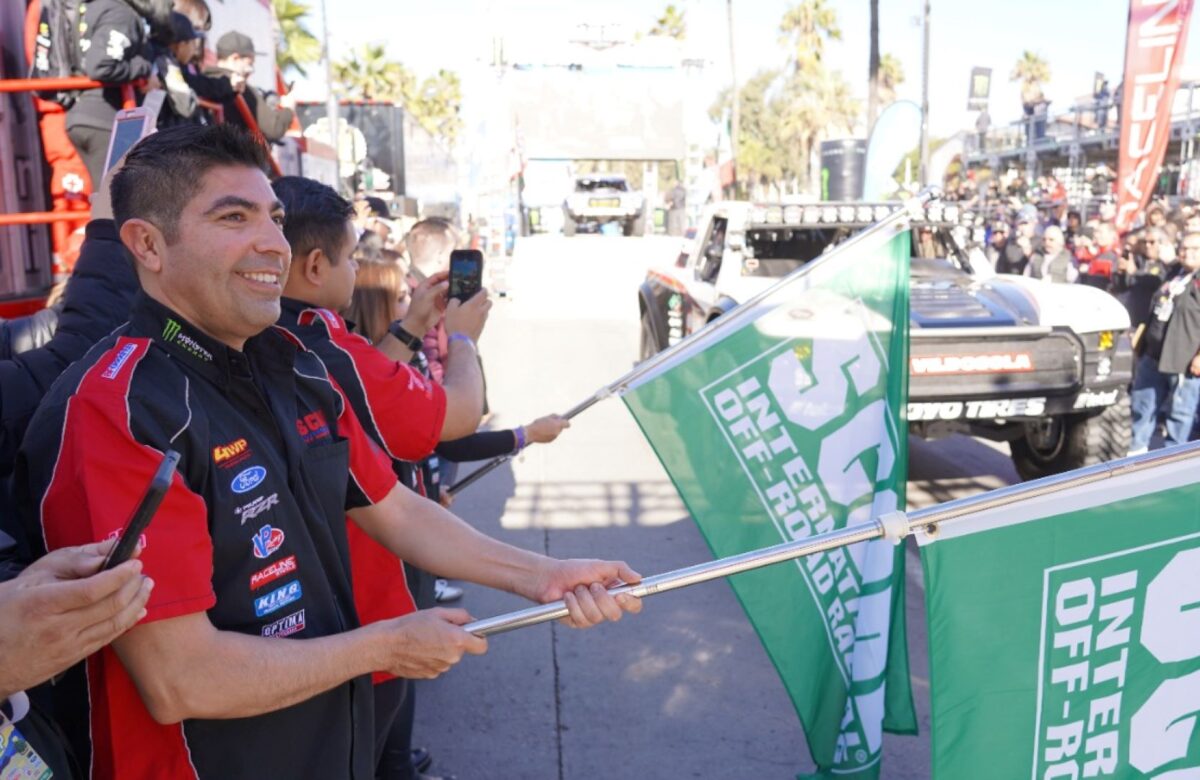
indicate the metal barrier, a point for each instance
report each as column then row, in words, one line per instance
column 128, row 100
column 1095, row 121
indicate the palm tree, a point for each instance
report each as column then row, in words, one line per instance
column 671, row 24
column 1032, row 71
column 891, row 75
column 436, row 105
column 805, row 27
column 810, row 108
column 368, row 74
column 296, row 46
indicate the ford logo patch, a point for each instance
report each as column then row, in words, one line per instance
column 249, row 479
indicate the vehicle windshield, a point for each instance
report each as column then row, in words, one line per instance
column 777, row 252
column 591, row 185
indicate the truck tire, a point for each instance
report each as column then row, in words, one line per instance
column 647, row 343
column 636, row 226
column 1071, row 441
column 568, row 225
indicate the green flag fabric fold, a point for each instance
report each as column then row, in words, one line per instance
column 791, row 425
column 1064, row 632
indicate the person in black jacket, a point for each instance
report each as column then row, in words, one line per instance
column 34, row 350
column 115, row 51
column 235, row 62
column 172, row 57
column 96, row 301
column 1167, row 378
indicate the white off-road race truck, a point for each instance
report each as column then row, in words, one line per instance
column 597, row 198
column 1045, row 367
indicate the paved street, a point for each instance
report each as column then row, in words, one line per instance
column 685, row 690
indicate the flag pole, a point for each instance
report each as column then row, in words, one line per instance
column 498, row 461
column 893, row 525
column 715, row 330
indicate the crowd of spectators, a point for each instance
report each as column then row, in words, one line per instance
column 1151, row 269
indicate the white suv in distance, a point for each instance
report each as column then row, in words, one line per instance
column 603, row 197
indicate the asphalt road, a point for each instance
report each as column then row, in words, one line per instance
column 684, row 690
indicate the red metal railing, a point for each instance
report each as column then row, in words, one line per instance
column 128, row 100
column 244, row 110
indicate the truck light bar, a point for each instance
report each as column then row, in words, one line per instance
column 850, row 214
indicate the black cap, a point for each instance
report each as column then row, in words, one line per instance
column 182, row 29
column 379, row 207
column 234, row 43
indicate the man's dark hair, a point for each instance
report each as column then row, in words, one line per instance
column 163, row 172
column 379, row 207
column 314, row 216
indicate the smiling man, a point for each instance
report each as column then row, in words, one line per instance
column 251, row 660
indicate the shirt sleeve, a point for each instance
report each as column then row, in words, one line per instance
column 479, row 446
column 98, row 480
column 371, row 475
column 113, row 55
column 406, row 409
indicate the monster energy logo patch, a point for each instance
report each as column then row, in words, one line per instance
column 173, row 332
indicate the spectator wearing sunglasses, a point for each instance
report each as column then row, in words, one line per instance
column 1139, row 274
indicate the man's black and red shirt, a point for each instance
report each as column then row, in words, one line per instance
column 252, row 531
column 401, row 410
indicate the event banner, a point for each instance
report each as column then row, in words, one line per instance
column 1064, row 633
column 1154, row 47
column 787, row 426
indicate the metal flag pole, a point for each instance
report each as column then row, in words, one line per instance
column 893, row 525
column 716, row 330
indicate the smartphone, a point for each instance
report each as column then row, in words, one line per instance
column 129, row 127
column 466, row 273
column 155, row 492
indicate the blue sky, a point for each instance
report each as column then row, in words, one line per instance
column 1077, row 37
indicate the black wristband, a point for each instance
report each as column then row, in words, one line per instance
column 404, row 337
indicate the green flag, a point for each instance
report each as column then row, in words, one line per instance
column 785, row 421
column 1064, row 633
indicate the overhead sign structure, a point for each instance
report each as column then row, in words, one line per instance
column 981, row 88
column 598, row 113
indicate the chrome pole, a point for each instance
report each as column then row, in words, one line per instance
column 928, row 518
column 681, row 578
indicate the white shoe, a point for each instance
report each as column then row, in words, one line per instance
column 443, row 591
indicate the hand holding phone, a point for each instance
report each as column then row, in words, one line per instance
column 466, row 273
column 155, row 492
column 468, row 317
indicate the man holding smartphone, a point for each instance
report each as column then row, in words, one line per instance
column 53, row 614
column 405, row 413
column 251, row 654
